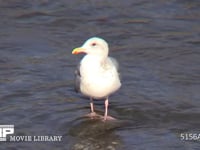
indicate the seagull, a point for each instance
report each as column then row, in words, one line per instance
column 97, row 74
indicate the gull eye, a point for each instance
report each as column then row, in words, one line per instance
column 94, row 44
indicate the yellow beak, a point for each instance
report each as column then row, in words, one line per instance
column 78, row 50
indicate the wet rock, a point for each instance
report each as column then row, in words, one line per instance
column 78, row 146
column 110, row 148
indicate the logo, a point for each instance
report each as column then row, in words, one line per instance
column 9, row 129
column 5, row 130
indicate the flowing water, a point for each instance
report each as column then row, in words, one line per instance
column 157, row 45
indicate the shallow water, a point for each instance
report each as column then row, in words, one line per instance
column 157, row 45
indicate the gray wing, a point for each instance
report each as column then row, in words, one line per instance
column 77, row 79
column 114, row 61
column 116, row 64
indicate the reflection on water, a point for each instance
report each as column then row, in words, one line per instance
column 156, row 44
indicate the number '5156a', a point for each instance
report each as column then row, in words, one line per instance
column 190, row 136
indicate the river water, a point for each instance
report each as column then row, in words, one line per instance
column 157, row 46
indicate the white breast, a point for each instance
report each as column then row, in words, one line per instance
column 98, row 79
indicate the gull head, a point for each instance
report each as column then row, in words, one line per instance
column 93, row 46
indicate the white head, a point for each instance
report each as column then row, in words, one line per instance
column 93, row 46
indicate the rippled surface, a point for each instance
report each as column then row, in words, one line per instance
column 157, row 45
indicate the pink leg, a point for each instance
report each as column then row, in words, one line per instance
column 106, row 117
column 106, row 109
column 91, row 105
column 92, row 114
